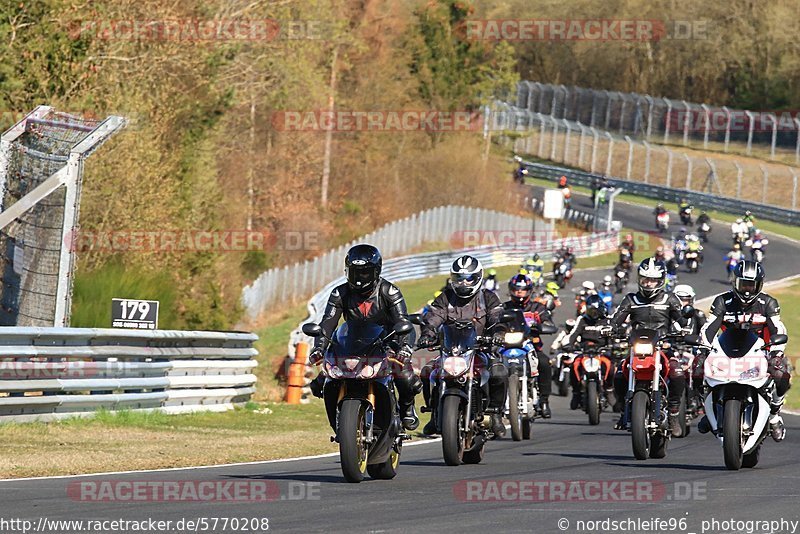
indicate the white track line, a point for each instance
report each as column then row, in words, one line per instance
column 423, row 441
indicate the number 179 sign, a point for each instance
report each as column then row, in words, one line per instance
column 129, row 313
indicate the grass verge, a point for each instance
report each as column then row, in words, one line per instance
column 789, row 297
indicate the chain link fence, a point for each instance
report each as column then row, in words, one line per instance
column 773, row 133
column 600, row 151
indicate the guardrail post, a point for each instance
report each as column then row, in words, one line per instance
column 646, row 162
column 670, row 155
column 630, row 157
column 668, row 118
column 750, row 128
column 706, row 125
column 765, row 174
column 297, row 370
column 797, row 146
column 727, row 127
column 595, row 140
column 774, row 135
column 610, row 152
column 686, row 121
column 738, row 180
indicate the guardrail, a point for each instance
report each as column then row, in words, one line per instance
column 668, row 194
column 438, row 263
column 53, row 373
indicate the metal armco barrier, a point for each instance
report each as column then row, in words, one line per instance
column 668, row 194
column 53, row 373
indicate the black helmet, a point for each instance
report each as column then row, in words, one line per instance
column 466, row 276
column 748, row 280
column 652, row 277
column 535, row 257
column 362, row 266
column 595, row 307
column 520, row 282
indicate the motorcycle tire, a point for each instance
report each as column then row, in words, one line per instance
column 563, row 388
column 514, row 415
column 684, row 425
column 640, row 437
column 386, row 470
column 732, row 434
column 352, row 450
column 452, row 442
column 593, row 404
column 526, row 428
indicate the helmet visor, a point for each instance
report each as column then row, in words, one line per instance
column 593, row 312
column 646, row 282
column 362, row 276
column 747, row 287
column 465, row 280
column 521, row 293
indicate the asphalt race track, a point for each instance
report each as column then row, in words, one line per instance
column 675, row 494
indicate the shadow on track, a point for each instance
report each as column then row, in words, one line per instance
column 335, row 479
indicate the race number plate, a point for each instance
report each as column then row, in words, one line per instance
column 130, row 313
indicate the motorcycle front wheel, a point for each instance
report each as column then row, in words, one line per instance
column 514, row 415
column 640, row 417
column 452, row 442
column 732, row 434
column 593, row 403
column 352, row 448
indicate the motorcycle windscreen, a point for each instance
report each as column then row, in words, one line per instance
column 737, row 342
column 356, row 338
column 521, row 322
column 459, row 336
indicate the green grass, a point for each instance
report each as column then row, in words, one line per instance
column 272, row 344
column 789, row 297
column 93, row 291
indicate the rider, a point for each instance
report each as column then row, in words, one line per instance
column 764, row 311
column 520, row 289
column 535, row 264
column 749, row 220
column 628, row 245
column 491, row 281
column 651, row 307
column 739, row 228
column 693, row 245
column 549, row 297
column 590, row 326
column 606, row 293
column 683, row 208
column 735, row 254
column 703, row 218
column 366, row 297
column 464, row 299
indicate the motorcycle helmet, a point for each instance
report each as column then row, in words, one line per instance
column 552, row 288
column 362, row 266
column 520, row 288
column 748, row 280
column 492, row 273
column 594, row 308
column 535, row 257
column 685, row 293
column 588, row 287
column 659, row 255
column 607, row 281
column 652, row 277
column 466, row 276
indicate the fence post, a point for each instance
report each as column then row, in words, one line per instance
column 688, row 171
column 580, row 144
column 555, row 134
column 622, row 112
column 706, row 126
column 566, row 141
column 630, row 157
column 594, row 108
column 608, row 108
column 797, row 146
column 649, row 100
column 738, row 180
column 750, row 131
column 727, row 127
column 594, row 147
column 686, row 121
column 669, row 167
column 610, row 152
column 566, row 97
column 765, row 174
column 774, row 135
column 541, row 134
column 794, row 188
column 646, row 162
column 668, row 118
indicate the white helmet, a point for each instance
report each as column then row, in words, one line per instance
column 685, row 292
column 466, row 276
column 607, row 280
column 652, row 277
column 588, row 286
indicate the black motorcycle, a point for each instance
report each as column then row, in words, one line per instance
column 360, row 400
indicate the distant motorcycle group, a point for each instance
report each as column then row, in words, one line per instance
column 648, row 360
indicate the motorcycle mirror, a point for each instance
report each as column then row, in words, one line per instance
column 548, row 329
column 778, row 339
column 403, row 327
column 687, row 311
column 416, row 319
column 507, row 317
column 692, row 339
column 312, row 330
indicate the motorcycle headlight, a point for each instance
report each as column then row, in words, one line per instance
column 753, row 372
column 643, row 348
column 368, row 371
column 513, row 338
column 454, row 365
column 333, row 371
column 591, row 365
column 351, row 363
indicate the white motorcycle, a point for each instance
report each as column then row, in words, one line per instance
column 737, row 405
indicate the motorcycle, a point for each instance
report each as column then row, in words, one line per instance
column 730, row 265
column 692, row 261
column 462, row 391
column 703, row 231
column 563, row 272
column 563, row 361
column 646, row 400
column 690, row 405
column 662, row 222
column 679, row 248
column 757, row 249
column 672, row 281
column 360, row 399
column 620, row 278
column 593, row 386
column 567, row 196
column 537, row 277
column 737, row 404
column 686, row 216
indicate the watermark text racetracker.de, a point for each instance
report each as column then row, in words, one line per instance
column 191, row 240
column 601, row 30
column 148, row 491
